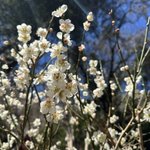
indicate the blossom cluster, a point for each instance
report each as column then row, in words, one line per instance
column 67, row 104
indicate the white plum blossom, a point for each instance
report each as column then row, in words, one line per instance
column 124, row 68
column 113, row 132
column 42, row 32
column 90, row 109
column 57, row 50
column 54, row 74
column 24, row 29
column 62, row 63
column 113, row 119
column 86, row 25
column 65, row 38
column 24, row 32
column 37, row 122
column 135, row 133
column 44, row 45
column 100, row 82
column 129, row 85
column 98, row 137
column 146, row 114
column 6, row 42
column 33, row 132
column 71, row 88
column 98, row 92
column 81, row 47
column 66, row 25
column 28, row 52
column 5, row 66
column 87, row 140
column 90, row 16
column 93, row 63
column 58, row 87
column 73, row 120
column 47, row 106
column 60, row 11
column 22, row 77
column 29, row 144
column 5, row 146
column 55, row 116
column 113, row 86
column 101, row 85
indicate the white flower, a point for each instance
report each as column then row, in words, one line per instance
column 24, row 32
column 135, row 133
column 129, row 86
column 100, row 82
column 56, row 89
column 56, row 116
column 5, row 83
column 90, row 16
column 57, row 49
column 61, row 96
column 138, row 79
column 113, row 86
column 65, row 37
column 98, row 92
column 62, row 63
column 42, row 32
column 5, row 146
column 60, row 11
column 6, row 42
column 90, row 109
column 81, row 47
column 71, row 88
column 84, row 58
column 54, row 74
column 66, row 25
column 29, row 144
column 37, row 122
column 83, row 86
column 33, row 132
column 113, row 119
column 24, row 29
column 44, row 45
column 92, row 70
column 112, row 132
column 85, row 93
column 22, row 77
column 24, row 38
column 86, row 25
column 87, row 140
column 39, row 138
column 146, row 114
column 98, row 137
column 124, row 68
column 73, row 121
column 13, row 52
column 28, row 52
column 2, row 91
column 123, row 140
column 47, row 106
column 93, row 63
column 5, row 66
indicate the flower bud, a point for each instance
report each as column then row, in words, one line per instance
column 90, row 16
column 84, row 58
